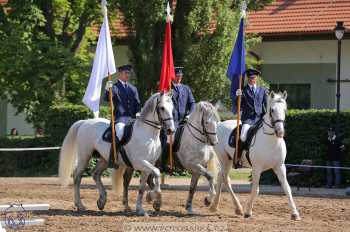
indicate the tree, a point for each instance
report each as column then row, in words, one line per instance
column 44, row 52
column 203, row 36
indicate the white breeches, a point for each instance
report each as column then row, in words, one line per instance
column 245, row 128
column 119, row 127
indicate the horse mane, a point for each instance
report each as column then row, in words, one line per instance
column 149, row 106
column 208, row 108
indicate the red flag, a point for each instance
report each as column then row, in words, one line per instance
column 168, row 73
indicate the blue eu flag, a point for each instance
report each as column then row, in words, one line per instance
column 236, row 66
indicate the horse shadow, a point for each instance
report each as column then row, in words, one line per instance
column 75, row 213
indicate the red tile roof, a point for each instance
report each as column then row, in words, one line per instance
column 286, row 17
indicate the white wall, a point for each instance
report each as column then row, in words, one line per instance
column 18, row 122
column 313, row 51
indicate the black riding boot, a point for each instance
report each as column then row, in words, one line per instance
column 164, row 158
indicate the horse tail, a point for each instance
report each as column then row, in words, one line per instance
column 214, row 165
column 117, row 180
column 68, row 154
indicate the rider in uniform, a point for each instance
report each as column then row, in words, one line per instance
column 125, row 99
column 253, row 102
column 184, row 105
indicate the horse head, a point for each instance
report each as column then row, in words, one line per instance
column 157, row 112
column 277, row 109
column 206, row 118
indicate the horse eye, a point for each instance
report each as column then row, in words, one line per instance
column 272, row 110
column 162, row 108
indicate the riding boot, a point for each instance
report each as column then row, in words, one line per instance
column 112, row 163
column 239, row 151
column 164, row 158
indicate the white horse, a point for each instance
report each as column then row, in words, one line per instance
column 268, row 151
column 195, row 152
column 196, row 148
column 85, row 136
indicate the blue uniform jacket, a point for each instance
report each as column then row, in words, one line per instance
column 126, row 100
column 253, row 106
column 183, row 101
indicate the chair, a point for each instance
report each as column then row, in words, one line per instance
column 303, row 174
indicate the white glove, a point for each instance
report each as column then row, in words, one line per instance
column 138, row 114
column 238, row 92
column 109, row 84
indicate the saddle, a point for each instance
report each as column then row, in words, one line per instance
column 243, row 146
column 175, row 149
column 107, row 137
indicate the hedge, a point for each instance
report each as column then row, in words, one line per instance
column 28, row 163
column 61, row 117
column 306, row 135
column 305, row 132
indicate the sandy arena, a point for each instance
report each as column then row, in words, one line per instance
column 271, row 212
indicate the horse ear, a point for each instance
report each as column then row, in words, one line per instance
column 284, row 95
column 272, row 94
column 162, row 93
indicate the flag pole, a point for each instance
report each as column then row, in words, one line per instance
column 110, row 94
column 171, row 162
column 112, row 121
column 235, row 157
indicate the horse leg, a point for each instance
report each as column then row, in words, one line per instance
column 216, row 200
column 280, row 171
column 194, row 182
column 239, row 208
column 77, row 175
column 100, row 167
column 139, row 209
column 127, row 179
column 254, row 192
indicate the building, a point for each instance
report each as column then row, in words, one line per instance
column 299, row 50
column 298, row 54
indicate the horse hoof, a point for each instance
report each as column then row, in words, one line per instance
column 239, row 212
column 141, row 213
column 81, row 208
column 101, row 204
column 246, row 215
column 206, row 201
column 296, row 217
column 157, row 205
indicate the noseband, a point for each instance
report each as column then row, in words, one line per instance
column 157, row 124
column 273, row 123
column 205, row 132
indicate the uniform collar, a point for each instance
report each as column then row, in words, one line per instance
column 252, row 86
column 124, row 83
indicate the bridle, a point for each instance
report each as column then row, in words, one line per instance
column 204, row 133
column 273, row 122
column 157, row 124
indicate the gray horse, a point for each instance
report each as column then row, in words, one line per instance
column 195, row 153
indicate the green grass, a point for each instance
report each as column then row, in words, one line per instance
column 240, row 174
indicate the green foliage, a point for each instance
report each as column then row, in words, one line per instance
column 203, row 36
column 28, row 163
column 306, row 134
column 44, row 53
column 60, row 118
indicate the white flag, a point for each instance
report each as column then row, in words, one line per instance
column 103, row 63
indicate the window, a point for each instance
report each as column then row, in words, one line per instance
column 299, row 95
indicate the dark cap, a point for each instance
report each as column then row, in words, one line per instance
column 252, row 72
column 179, row 71
column 126, row 67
